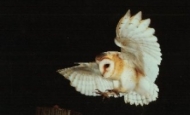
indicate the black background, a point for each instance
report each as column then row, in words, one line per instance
column 39, row 37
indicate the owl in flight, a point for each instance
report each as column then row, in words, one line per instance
column 130, row 73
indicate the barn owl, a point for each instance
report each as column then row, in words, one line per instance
column 130, row 73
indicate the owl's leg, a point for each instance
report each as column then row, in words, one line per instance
column 116, row 92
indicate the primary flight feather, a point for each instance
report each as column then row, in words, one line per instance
column 130, row 73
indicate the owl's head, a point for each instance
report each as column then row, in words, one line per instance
column 109, row 63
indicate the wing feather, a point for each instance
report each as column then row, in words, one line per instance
column 137, row 42
column 86, row 78
column 83, row 85
column 135, row 98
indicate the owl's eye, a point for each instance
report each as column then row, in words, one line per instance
column 106, row 65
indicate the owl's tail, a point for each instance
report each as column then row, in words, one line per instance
column 139, row 99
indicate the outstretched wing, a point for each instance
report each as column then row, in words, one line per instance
column 86, row 78
column 138, row 44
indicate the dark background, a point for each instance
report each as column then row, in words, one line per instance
column 39, row 37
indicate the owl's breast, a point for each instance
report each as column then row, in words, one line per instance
column 119, row 67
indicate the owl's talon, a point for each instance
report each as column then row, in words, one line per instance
column 103, row 94
column 113, row 91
